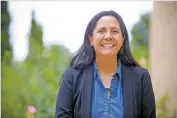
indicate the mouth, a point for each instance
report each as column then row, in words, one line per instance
column 107, row 46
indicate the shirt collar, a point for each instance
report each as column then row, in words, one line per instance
column 118, row 69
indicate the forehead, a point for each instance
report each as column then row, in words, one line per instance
column 107, row 21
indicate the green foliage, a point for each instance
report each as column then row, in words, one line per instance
column 35, row 38
column 161, row 108
column 35, row 81
column 140, row 31
column 28, row 83
column 139, row 43
column 5, row 22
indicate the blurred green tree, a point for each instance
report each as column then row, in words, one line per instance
column 34, row 81
column 35, row 38
column 140, row 35
column 5, row 22
column 140, row 31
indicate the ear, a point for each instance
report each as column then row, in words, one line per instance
column 90, row 39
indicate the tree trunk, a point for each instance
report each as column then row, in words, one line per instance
column 163, row 51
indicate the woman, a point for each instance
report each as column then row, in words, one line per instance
column 104, row 80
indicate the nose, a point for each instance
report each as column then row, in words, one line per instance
column 108, row 36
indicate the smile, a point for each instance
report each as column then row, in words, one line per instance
column 107, row 46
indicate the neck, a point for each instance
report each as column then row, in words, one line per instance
column 106, row 64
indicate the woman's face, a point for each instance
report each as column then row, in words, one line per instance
column 107, row 37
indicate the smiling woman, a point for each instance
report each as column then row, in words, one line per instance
column 103, row 79
column 107, row 28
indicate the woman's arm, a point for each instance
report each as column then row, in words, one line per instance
column 64, row 102
column 148, row 109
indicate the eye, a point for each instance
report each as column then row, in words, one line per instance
column 115, row 31
column 100, row 31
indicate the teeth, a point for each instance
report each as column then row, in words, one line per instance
column 107, row 46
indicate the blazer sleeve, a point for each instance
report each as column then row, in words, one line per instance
column 148, row 109
column 64, row 98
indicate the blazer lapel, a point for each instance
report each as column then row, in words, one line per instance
column 86, row 100
column 127, row 91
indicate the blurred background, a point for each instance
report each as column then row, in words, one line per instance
column 38, row 38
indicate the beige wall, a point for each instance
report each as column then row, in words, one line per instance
column 163, row 50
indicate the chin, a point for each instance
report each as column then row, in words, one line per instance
column 109, row 54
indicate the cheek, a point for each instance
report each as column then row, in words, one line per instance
column 97, row 45
column 119, row 43
column 119, row 40
column 97, row 40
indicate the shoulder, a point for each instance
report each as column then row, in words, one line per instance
column 138, row 72
column 72, row 77
column 71, row 73
column 140, row 77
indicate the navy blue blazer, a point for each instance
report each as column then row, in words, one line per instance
column 74, row 98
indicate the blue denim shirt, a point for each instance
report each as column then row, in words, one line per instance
column 107, row 103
